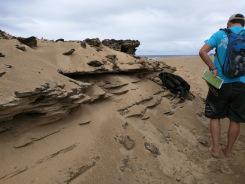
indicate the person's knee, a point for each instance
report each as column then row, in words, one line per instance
column 234, row 123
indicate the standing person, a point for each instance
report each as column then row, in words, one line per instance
column 229, row 101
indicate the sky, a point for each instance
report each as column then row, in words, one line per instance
column 164, row 27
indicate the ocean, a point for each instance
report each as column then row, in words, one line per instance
column 155, row 57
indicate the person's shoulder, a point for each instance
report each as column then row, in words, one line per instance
column 221, row 31
column 215, row 39
column 219, row 34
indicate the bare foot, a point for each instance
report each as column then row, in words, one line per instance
column 226, row 152
column 216, row 153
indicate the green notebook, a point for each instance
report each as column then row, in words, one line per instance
column 213, row 80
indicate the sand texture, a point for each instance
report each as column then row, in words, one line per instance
column 116, row 126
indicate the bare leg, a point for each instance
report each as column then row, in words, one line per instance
column 215, row 135
column 233, row 132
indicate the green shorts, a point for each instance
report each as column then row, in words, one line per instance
column 229, row 101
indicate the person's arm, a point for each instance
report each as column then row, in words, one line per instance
column 203, row 53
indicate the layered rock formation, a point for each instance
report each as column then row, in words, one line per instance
column 33, row 81
column 50, row 100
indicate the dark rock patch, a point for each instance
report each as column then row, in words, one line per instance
column 127, row 142
column 126, row 46
column 126, row 166
column 99, row 49
column 203, row 141
column 5, row 129
column 152, row 148
column 22, row 48
column 4, row 35
column 70, row 52
column 31, row 41
column 125, row 125
column 2, row 73
column 94, row 42
column 83, row 44
column 2, row 55
column 95, row 63
column 8, row 66
column 60, row 40
column 168, row 113
column 113, row 59
column 85, row 123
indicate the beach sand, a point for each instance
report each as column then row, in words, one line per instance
column 134, row 132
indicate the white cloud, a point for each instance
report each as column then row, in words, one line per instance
column 163, row 27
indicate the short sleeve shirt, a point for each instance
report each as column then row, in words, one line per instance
column 219, row 41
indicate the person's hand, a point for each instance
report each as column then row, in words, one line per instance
column 215, row 72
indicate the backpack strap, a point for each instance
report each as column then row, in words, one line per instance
column 216, row 53
column 242, row 32
column 227, row 32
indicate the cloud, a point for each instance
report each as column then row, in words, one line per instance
column 163, row 27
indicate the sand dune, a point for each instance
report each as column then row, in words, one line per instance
column 127, row 128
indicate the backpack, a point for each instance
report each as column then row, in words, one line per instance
column 234, row 63
column 175, row 84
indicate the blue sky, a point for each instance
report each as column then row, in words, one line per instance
column 162, row 26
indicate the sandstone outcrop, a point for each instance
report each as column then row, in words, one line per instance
column 94, row 42
column 50, row 100
column 2, row 55
column 70, row 52
column 22, row 48
column 83, row 44
column 34, row 82
column 4, row 35
column 95, row 63
column 60, row 40
column 30, row 41
column 126, row 46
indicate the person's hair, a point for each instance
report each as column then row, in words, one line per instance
column 239, row 21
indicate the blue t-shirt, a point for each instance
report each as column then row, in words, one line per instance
column 219, row 40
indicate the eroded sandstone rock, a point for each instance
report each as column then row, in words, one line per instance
column 94, row 42
column 2, row 55
column 30, row 41
column 4, row 35
column 152, row 148
column 95, row 63
column 83, row 44
column 51, row 101
column 126, row 46
column 2, row 73
column 60, row 40
column 70, row 52
column 22, row 48
column 127, row 142
column 38, row 88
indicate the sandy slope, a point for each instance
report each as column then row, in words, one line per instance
column 111, row 148
column 132, row 131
